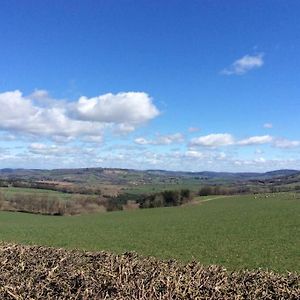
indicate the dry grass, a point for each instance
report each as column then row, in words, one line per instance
column 31, row 272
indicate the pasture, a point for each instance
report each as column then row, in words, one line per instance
column 237, row 232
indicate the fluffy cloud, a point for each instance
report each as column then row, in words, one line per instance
column 20, row 114
column 39, row 115
column 213, row 140
column 244, row 64
column 256, row 140
column 161, row 140
column 131, row 108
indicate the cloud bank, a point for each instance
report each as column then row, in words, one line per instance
column 39, row 115
column 216, row 140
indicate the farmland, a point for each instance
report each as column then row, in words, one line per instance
column 113, row 181
column 237, row 232
column 11, row 191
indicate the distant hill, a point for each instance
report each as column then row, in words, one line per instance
column 123, row 176
column 279, row 173
column 227, row 175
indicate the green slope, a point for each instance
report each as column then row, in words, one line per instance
column 237, row 232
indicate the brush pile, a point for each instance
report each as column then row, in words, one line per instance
column 31, row 272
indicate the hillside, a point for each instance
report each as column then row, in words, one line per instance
column 123, row 176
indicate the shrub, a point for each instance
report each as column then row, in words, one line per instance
column 205, row 191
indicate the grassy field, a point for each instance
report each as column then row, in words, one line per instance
column 237, row 232
column 159, row 187
column 10, row 191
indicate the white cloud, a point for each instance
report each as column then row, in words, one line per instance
column 92, row 139
column 42, row 149
column 244, row 64
column 124, row 128
column 39, row 115
column 261, row 164
column 213, row 140
column 268, row 125
column 142, row 141
column 194, row 154
column 161, row 140
column 47, row 150
column 20, row 115
column 50, row 155
column 260, row 160
column 225, row 139
column 286, row 144
column 132, row 108
column 256, row 140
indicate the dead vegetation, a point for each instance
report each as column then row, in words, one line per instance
column 31, row 272
column 48, row 204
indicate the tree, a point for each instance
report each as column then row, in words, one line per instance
column 205, row 191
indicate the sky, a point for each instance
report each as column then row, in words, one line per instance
column 177, row 85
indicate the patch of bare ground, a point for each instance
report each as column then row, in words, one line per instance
column 32, row 272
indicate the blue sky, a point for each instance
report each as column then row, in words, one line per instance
column 180, row 85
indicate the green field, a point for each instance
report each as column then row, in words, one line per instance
column 10, row 191
column 159, row 187
column 237, row 232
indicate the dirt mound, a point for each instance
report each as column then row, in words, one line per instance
column 44, row 273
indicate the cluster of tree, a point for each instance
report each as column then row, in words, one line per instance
column 278, row 189
column 120, row 201
column 222, row 190
column 52, row 204
column 47, row 203
column 165, row 198
column 244, row 189
column 30, row 203
column 3, row 183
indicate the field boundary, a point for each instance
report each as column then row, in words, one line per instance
column 32, row 272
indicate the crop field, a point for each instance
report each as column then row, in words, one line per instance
column 237, row 232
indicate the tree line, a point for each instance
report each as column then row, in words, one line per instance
column 49, row 204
